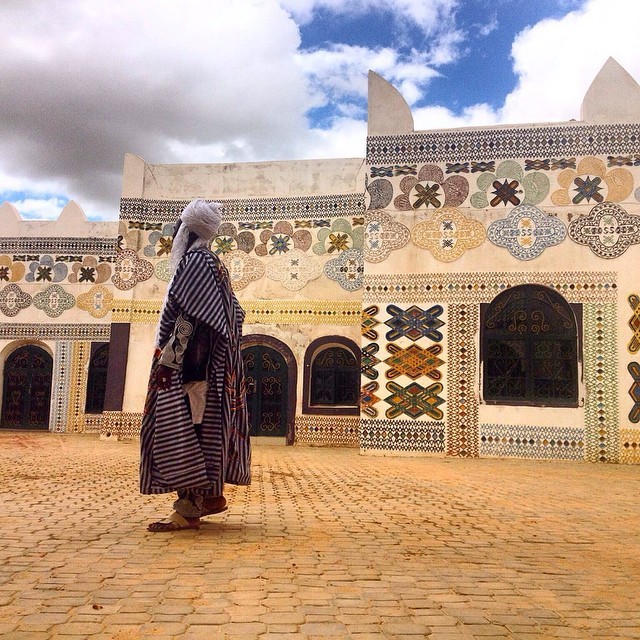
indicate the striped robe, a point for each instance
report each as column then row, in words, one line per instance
column 172, row 455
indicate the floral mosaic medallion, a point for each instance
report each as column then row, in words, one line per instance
column 608, row 230
column 228, row 239
column 347, row 269
column 382, row 235
column 634, row 392
column 414, row 401
column 448, row 234
column 13, row 299
column 89, row 271
column 98, row 301
column 54, row 301
column 242, row 268
column 160, row 242
column 526, row 232
column 46, row 270
column 414, row 323
column 130, row 269
column 368, row 399
column 162, row 270
column 369, row 361
column 342, row 236
column 10, row 271
column 634, row 323
column 591, row 182
column 430, row 189
column 510, row 186
column 369, row 322
column 380, row 193
column 282, row 239
column 294, row 269
column 414, row 361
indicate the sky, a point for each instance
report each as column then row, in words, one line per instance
column 82, row 82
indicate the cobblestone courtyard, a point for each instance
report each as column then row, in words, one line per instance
column 324, row 544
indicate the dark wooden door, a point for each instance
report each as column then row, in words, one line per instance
column 27, row 389
column 267, row 380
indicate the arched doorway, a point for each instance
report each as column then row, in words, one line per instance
column 26, row 390
column 270, row 372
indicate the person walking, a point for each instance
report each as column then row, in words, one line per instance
column 195, row 428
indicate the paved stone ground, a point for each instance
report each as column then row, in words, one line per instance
column 324, row 544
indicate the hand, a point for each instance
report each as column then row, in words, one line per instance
column 163, row 376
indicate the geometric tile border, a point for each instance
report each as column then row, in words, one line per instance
column 258, row 209
column 575, row 286
column 634, row 370
column 630, row 446
column 52, row 331
column 493, row 144
column 602, row 433
column 118, row 425
column 60, row 246
column 335, row 431
column 80, row 352
column 462, row 419
column 634, row 323
column 517, row 441
column 402, row 435
column 60, row 386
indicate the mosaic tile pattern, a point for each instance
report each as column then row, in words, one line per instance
column 369, row 322
column 342, row 236
column 13, row 299
column 10, row 271
column 414, row 400
column 526, row 232
column 429, row 188
column 414, row 361
column 634, row 369
column 509, row 185
column 368, row 399
column 294, row 269
column 54, row 301
column 138, row 311
column 448, row 234
column 382, row 235
column 516, row 441
column 380, row 193
column 130, row 269
column 258, row 209
column 282, row 238
column 347, row 269
column 591, row 182
column 52, row 331
column 92, row 423
column 414, row 323
column 60, row 246
column 462, row 401
column 46, row 270
column 402, row 435
column 60, row 386
column 369, row 361
column 634, row 323
column 336, row 431
column 89, row 271
column 243, row 269
column 630, row 446
column 602, row 434
column 121, row 425
column 575, row 286
column 512, row 142
column 608, row 230
column 79, row 365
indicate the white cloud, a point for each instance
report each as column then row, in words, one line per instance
column 556, row 60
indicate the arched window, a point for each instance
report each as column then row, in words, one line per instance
column 529, row 338
column 332, row 377
column 97, row 380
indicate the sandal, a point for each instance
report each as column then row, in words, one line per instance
column 211, row 506
column 175, row 522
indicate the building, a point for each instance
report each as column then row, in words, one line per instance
column 468, row 292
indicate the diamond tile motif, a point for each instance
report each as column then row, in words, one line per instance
column 369, row 322
column 608, row 230
column 634, row 323
column 634, row 392
column 369, row 361
column 368, row 399
column 414, row 361
column 526, row 232
column 414, row 401
column 414, row 323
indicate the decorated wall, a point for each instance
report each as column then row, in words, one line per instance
column 482, row 284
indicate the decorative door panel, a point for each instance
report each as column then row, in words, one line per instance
column 267, row 389
column 27, row 389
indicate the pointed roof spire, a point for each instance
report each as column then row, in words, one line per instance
column 614, row 96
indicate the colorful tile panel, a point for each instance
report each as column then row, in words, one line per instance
column 634, row 392
column 634, row 323
column 336, row 431
column 402, row 435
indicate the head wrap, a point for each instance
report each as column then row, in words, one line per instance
column 201, row 217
